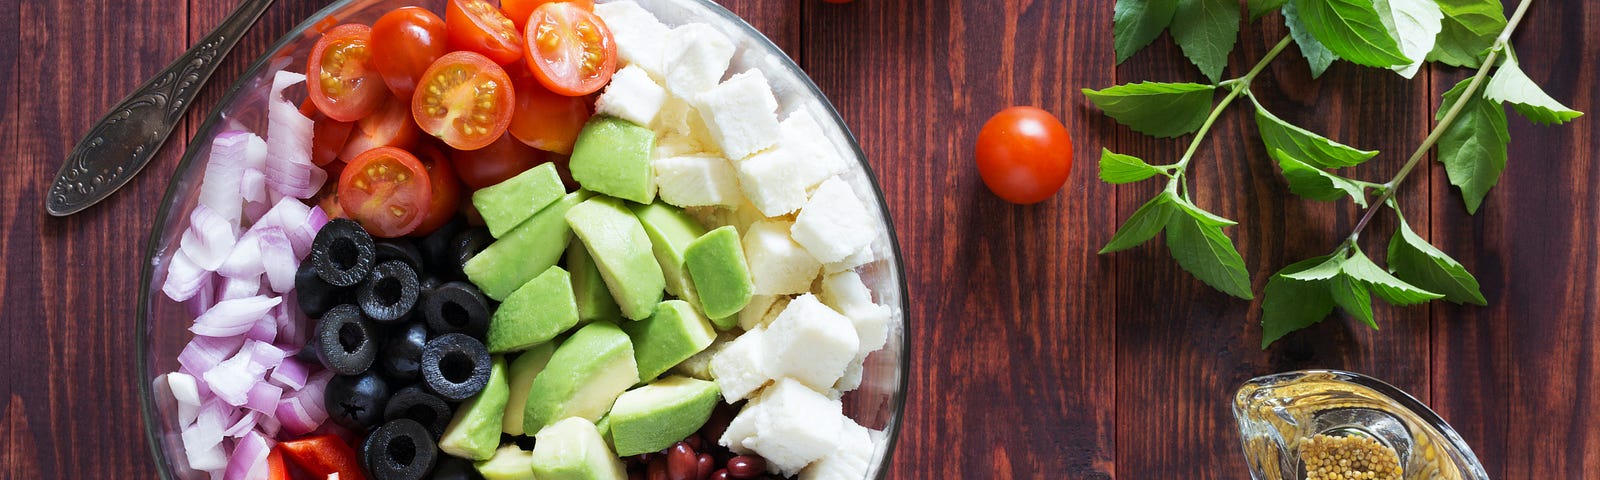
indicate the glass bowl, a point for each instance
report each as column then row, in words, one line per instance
column 162, row 324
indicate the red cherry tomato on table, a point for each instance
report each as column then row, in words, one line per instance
column 465, row 100
column 503, row 159
column 324, row 455
column 1024, row 154
column 519, row 10
column 387, row 191
column 569, row 49
column 339, row 78
column 404, row 43
column 446, row 190
column 544, row 119
column 477, row 26
column 389, row 126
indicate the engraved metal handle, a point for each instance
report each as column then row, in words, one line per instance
column 119, row 145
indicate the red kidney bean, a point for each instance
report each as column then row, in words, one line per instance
column 682, row 462
column 705, row 465
column 746, row 467
column 720, row 474
column 657, row 469
column 636, row 475
column 718, row 423
column 695, row 443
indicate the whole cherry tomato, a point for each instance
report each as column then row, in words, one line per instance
column 1024, row 154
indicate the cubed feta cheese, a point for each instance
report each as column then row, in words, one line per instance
column 741, row 114
column 834, row 224
column 699, row 365
column 772, row 181
column 637, row 33
column 740, row 368
column 863, row 256
column 749, row 319
column 632, row 96
column 848, row 462
column 697, row 180
column 794, row 426
column 777, row 264
column 810, row 343
column 740, row 429
column 756, row 310
column 802, row 132
column 846, row 293
column 696, row 57
column 851, row 379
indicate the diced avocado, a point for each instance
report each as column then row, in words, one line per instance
column 474, row 432
column 612, row 157
column 675, row 333
column 523, row 370
column 543, row 308
column 507, row 204
column 604, row 426
column 717, row 264
column 671, row 230
column 653, row 417
column 699, row 366
column 621, row 250
column 572, row 449
column 594, row 300
column 584, row 376
column 525, row 251
column 508, row 463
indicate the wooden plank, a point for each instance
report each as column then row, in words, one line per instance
column 780, row 21
column 1012, row 366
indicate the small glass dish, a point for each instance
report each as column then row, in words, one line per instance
column 162, row 325
column 1283, row 417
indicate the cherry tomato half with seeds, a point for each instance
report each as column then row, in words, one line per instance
column 477, row 26
column 339, row 77
column 1024, row 154
column 404, row 43
column 569, row 49
column 446, row 190
column 544, row 119
column 390, row 126
column 465, row 100
column 387, row 191
column 519, row 10
column 504, row 158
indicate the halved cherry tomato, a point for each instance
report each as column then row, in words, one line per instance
column 390, row 126
column 544, row 119
column 324, row 455
column 338, row 76
column 520, row 10
column 387, row 191
column 571, row 50
column 465, row 100
column 503, row 159
column 446, row 190
column 476, row 26
column 404, row 43
column 328, row 138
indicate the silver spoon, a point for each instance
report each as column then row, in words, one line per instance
column 119, row 145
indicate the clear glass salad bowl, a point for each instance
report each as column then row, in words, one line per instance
column 162, row 325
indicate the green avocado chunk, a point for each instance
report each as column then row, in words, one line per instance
column 621, row 249
column 594, row 300
column 510, row 462
column 474, row 432
column 671, row 231
column 655, row 416
column 572, row 449
column 543, row 308
column 523, row 370
column 507, row 204
column 584, row 376
column 613, row 157
column 721, row 274
column 525, row 251
column 670, row 336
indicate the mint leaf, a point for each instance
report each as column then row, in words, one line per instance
column 1386, row 286
column 1416, row 261
column 1136, row 23
column 1331, row 267
column 1263, row 7
column 1317, row 54
column 1353, row 29
column 1206, row 30
column 1473, row 149
column 1203, row 216
column 1311, row 182
column 1468, row 30
column 1143, row 225
column 1156, row 109
column 1290, row 304
column 1511, row 85
column 1207, row 253
column 1352, row 297
column 1116, row 168
column 1415, row 23
column 1299, row 143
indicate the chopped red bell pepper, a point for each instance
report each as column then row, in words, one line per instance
column 275, row 468
column 324, row 455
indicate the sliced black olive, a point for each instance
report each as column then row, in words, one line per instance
column 399, row 450
column 356, row 401
column 346, row 342
column 455, row 366
column 342, row 253
column 315, row 296
column 401, row 357
column 466, row 245
column 453, row 468
column 416, row 404
column 457, row 307
column 389, row 293
column 402, row 250
column 437, row 246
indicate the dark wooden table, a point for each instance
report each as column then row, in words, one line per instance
column 1033, row 357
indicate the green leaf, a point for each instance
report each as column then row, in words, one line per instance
column 1331, row 267
column 1468, row 30
column 1353, row 29
column 1511, row 85
column 1473, row 149
column 1415, row 23
column 1136, row 23
column 1416, row 261
column 1291, row 304
column 1313, row 149
column 1143, row 225
column 1203, row 216
column 1263, row 7
column 1206, row 30
column 1317, row 55
column 1316, row 184
column 1207, row 253
column 1352, row 297
column 1116, row 168
column 1386, row 286
column 1156, row 109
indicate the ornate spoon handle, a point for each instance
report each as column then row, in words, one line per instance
column 120, row 145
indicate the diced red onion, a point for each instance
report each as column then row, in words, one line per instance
column 278, row 259
column 219, row 187
column 253, row 186
column 246, row 423
column 245, row 261
column 263, row 397
column 303, row 411
column 288, row 317
column 184, row 278
column 204, row 353
column 290, row 172
column 230, row 380
column 209, row 238
column 265, row 329
column 186, row 394
column 315, row 220
column 268, row 425
column 297, row 222
column 233, row 317
column 241, row 287
column 208, row 459
column 249, row 459
column 291, row 374
column 265, row 356
column 205, row 298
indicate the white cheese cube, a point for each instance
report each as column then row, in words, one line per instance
column 794, row 426
column 810, row 343
column 861, row 257
column 637, row 33
column 777, row 264
column 850, row 461
column 834, row 224
column 847, row 294
column 749, row 319
column 696, row 57
column 741, row 114
column 740, row 429
column 802, row 132
column 772, row 180
column 632, row 96
column 740, row 368
column 674, row 118
column 697, row 181
column 756, row 310
column 851, row 379
column 699, row 365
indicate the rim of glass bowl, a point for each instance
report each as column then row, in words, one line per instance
column 147, row 410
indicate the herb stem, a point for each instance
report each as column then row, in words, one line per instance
column 1235, row 87
column 1444, row 124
